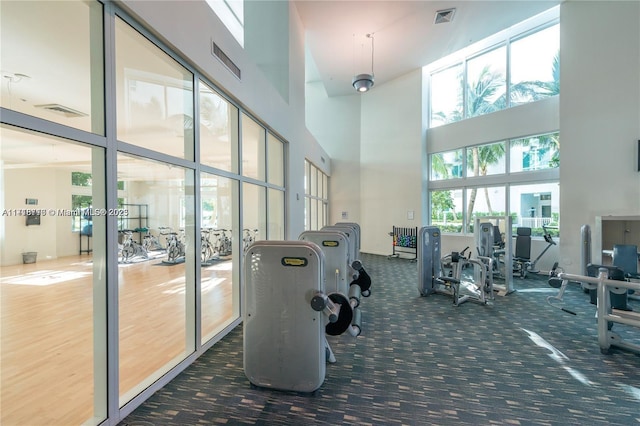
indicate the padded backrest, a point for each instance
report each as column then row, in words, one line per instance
column 625, row 256
column 523, row 243
column 497, row 237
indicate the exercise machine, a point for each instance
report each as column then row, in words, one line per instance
column 131, row 250
column 342, row 272
column 492, row 235
column 287, row 314
column 432, row 278
column 555, row 282
column 522, row 263
column 353, row 232
column 607, row 315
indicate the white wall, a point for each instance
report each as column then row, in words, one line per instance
column 599, row 117
column 391, row 161
column 336, row 122
column 51, row 239
column 176, row 21
column 375, row 143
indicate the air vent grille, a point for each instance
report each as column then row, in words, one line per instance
column 63, row 110
column 218, row 53
column 445, row 15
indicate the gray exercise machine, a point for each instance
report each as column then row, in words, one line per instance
column 431, row 267
column 288, row 312
column 522, row 263
column 492, row 236
column 606, row 314
column 353, row 232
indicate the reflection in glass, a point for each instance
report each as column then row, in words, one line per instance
column 276, row 214
column 154, row 96
column 218, row 131
column 53, row 295
column 156, row 290
column 254, row 209
column 63, row 79
column 220, row 264
column 276, row 160
column 253, row 149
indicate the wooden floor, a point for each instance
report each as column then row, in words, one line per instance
column 48, row 330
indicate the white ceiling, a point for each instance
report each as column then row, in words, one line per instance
column 405, row 36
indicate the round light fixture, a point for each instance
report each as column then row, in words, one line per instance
column 362, row 82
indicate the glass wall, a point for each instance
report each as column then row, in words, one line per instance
column 218, row 131
column 220, row 264
column 275, row 195
column 154, row 96
column 52, row 281
column 73, row 95
column 316, row 197
column 102, row 245
column 253, row 148
column 156, row 300
column 254, row 213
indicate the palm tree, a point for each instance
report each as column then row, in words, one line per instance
column 481, row 158
column 481, row 92
column 479, row 95
column 529, row 91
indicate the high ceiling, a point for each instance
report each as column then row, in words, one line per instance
column 405, row 35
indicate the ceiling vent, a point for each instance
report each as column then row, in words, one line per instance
column 218, row 53
column 62, row 110
column 445, row 15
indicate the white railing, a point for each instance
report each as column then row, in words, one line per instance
column 606, row 315
column 533, row 222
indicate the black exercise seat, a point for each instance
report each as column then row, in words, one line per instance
column 618, row 301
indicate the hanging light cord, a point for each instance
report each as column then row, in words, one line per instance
column 371, row 37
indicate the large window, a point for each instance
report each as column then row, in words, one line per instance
column 218, row 130
column 253, row 148
column 163, row 202
column 530, row 59
column 486, row 82
column 316, row 197
column 535, row 153
column 446, row 165
column 472, row 182
column 535, row 66
column 65, row 83
column 155, row 96
column 53, row 296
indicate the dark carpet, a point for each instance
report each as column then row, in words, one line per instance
column 422, row 361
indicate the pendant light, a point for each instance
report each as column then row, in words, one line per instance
column 363, row 82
